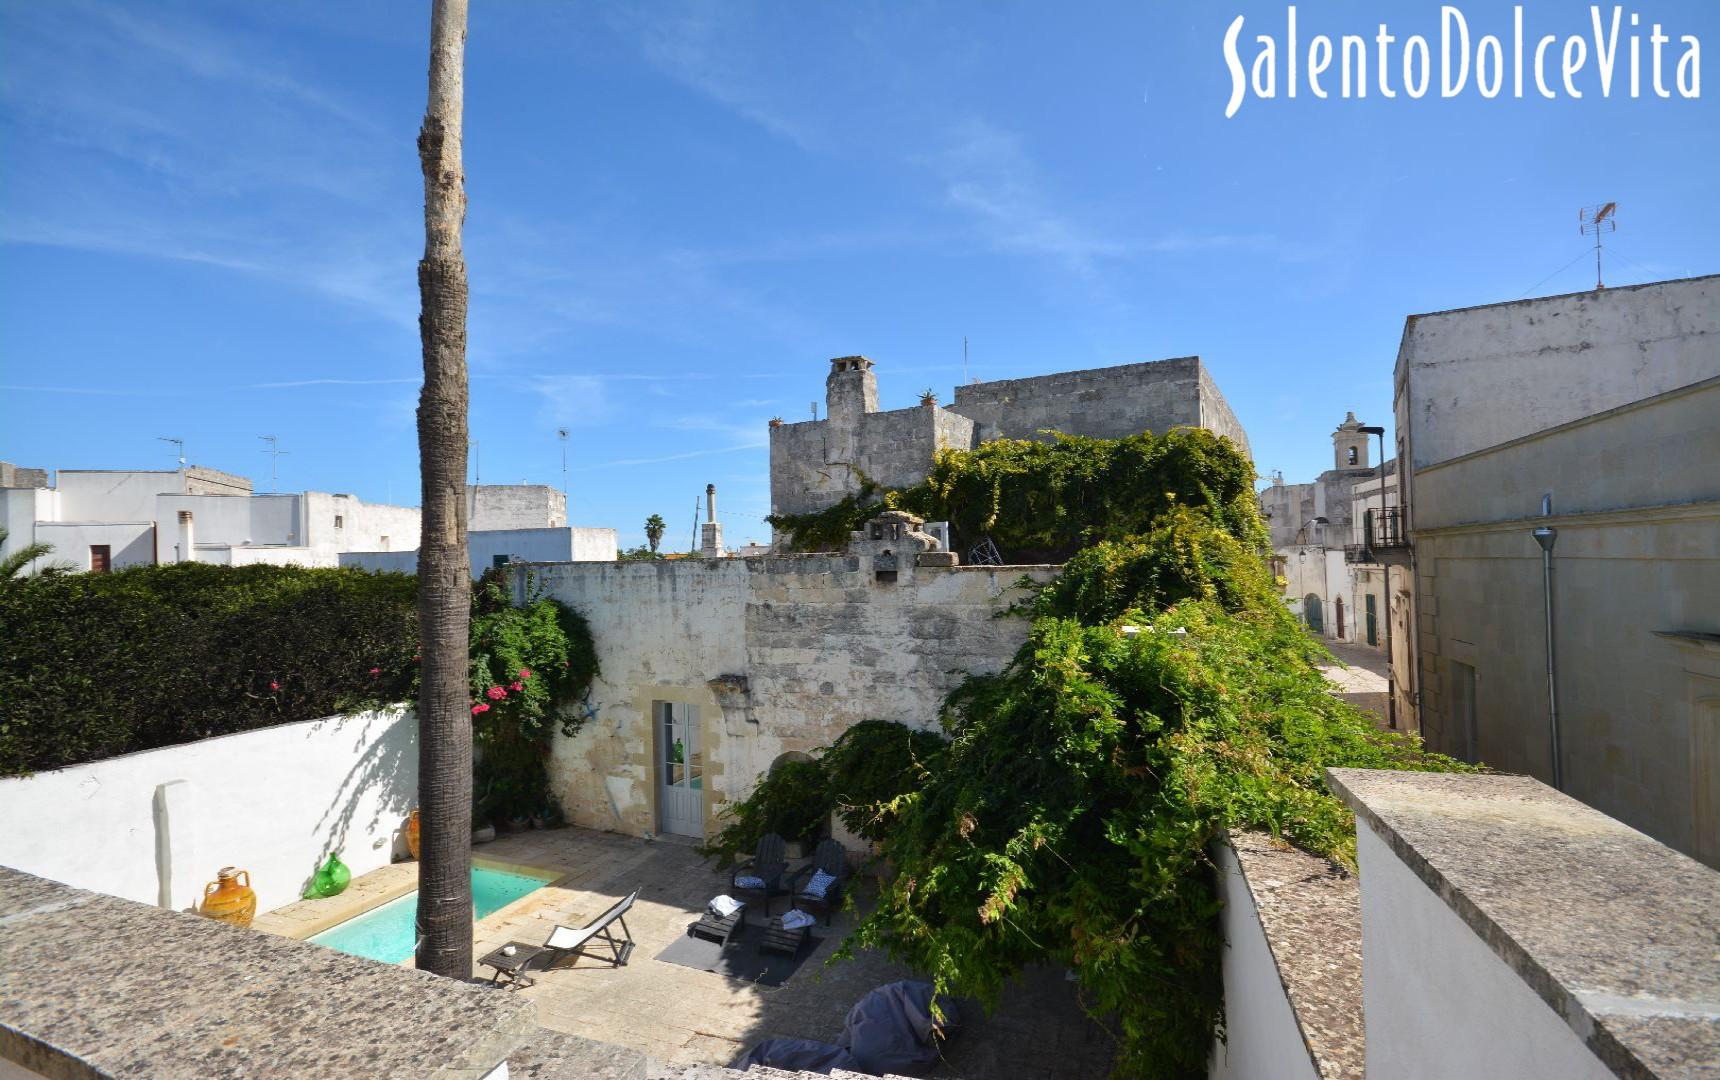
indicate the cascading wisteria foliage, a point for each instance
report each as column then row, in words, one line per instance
column 1164, row 695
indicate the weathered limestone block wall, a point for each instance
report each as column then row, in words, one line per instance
column 1106, row 403
column 778, row 654
column 814, row 464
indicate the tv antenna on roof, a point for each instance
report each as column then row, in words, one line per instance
column 274, row 451
column 1593, row 221
column 561, row 433
column 178, row 444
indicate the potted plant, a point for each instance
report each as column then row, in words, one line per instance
column 928, row 397
column 776, row 421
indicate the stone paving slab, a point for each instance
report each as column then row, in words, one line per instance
column 126, row 989
column 680, row 1016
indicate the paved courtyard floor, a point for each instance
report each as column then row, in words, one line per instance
column 679, row 1015
column 1359, row 677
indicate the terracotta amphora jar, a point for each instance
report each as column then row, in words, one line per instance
column 229, row 898
column 412, row 833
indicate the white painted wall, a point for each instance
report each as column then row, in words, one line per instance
column 155, row 826
column 579, row 544
column 132, row 543
column 1478, row 377
column 113, row 495
column 1438, row 1002
column 1264, row 1041
column 231, row 519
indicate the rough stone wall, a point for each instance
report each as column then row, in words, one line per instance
column 202, row 480
column 1106, row 403
column 1286, row 507
column 814, row 464
column 1216, row 415
column 816, row 641
column 18, row 476
column 895, row 448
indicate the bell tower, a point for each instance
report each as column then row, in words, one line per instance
column 1350, row 444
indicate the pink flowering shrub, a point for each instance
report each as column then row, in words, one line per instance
column 513, row 647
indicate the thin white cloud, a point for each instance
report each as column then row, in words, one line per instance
column 684, row 456
column 329, row 382
column 702, row 47
column 988, row 174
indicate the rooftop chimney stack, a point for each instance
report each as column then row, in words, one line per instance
column 711, row 532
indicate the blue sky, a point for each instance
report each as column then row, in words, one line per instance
column 210, row 218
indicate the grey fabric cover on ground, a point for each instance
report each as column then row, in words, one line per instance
column 890, row 1029
column 802, row 1055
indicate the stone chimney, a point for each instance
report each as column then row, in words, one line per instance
column 711, row 532
column 850, row 392
column 186, row 549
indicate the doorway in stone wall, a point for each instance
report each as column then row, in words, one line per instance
column 1373, row 621
column 1311, row 613
column 680, row 769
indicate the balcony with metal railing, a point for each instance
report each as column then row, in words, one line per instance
column 1384, row 538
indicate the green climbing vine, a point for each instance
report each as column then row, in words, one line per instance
column 531, row 663
column 1164, row 694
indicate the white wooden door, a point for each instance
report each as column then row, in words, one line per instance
column 680, row 770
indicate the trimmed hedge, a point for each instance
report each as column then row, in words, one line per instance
column 94, row 665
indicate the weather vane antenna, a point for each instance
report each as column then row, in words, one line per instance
column 274, row 451
column 561, row 434
column 1596, row 221
column 178, row 445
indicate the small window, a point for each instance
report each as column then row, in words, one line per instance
column 101, row 558
column 1352, row 456
column 385, row 543
column 498, row 560
column 339, row 522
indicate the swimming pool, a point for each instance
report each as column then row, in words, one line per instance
column 389, row 933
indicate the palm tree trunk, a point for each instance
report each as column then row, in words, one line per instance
column 444, row 575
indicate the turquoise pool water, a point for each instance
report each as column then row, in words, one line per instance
column 389, row 933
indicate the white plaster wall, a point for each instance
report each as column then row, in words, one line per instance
column 1437, row 1002
column 109, row 495
column 363, row 525
column 233, row 519
column 271, row 556
column 132, row 543
column 1482, row 376
column 520, row 545
column 1263, row 1040
column 155, row 826
column 20, row 510
column 591, row 544
column 515, row 506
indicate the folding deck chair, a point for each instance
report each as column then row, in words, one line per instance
column 511, row 971
column 564, row 940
